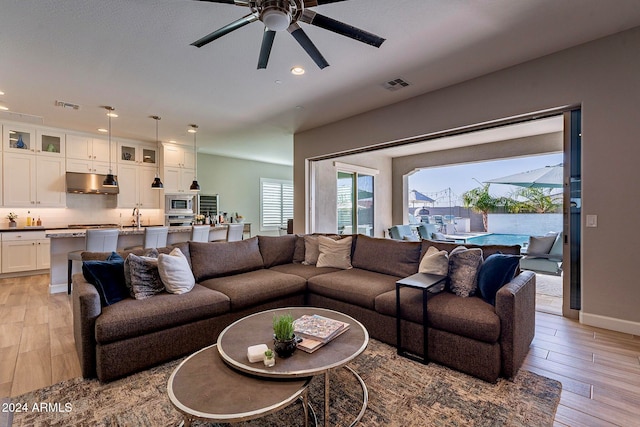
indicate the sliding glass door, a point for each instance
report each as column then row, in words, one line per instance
column 355, row 203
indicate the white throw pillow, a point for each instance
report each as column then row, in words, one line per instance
column 175, row 272
column 334, row 253
column 434, row 262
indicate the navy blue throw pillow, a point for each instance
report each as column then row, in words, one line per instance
column 108, row 278
column 495, row 272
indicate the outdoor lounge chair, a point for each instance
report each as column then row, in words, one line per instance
column 550, row 263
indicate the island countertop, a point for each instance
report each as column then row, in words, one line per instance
column 124, row 231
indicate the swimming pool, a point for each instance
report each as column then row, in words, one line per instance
column 499, row 239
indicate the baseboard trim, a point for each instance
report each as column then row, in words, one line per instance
column 57, row 289
column 610, row 323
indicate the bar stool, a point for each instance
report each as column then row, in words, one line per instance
column 235, row 232
column 200, row 233
column 96, row 240
column 154, row 237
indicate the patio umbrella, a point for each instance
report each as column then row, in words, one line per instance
column 546, row 177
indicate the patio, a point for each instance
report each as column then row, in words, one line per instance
column 549, row 293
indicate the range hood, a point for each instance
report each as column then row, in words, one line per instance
column 88, row 183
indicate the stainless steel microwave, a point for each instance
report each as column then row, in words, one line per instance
column 179, row 204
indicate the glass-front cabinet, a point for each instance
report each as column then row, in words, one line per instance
column 137, row 153
column 50, row 143
column 18, row 138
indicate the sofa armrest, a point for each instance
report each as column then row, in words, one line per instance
column 516, row 308
column 86, row 309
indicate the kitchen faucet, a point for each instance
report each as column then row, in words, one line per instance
column 136, row 214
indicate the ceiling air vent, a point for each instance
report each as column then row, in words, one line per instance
column 65, row 104
column 395, row 84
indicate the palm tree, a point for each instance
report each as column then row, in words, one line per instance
column 481, row 201
column 537, row 200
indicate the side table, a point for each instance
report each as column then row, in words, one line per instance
column 424, row 281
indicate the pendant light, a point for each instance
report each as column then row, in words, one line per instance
column 110, row 180
column 157, row 184
column 194, row 185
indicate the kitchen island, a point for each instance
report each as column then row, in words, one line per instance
column 64, row 241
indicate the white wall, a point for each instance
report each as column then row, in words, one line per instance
column 532, row 224
column 237, row 182
column 601, row 77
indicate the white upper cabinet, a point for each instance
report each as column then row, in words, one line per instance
column 137, row 153
column 178, row 156
column 88, row 155
column 18, row 138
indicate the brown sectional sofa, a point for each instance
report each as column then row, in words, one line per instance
column 239, row 278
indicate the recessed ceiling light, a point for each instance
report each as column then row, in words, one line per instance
column 297, row 71
column 103, row 130
column 173, row 141
column 1, row 92
column 278, row 82
column 3, row 108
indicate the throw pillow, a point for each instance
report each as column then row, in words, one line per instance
column 311, row 250
column 541, row 245
column 334, row 253
column 463, row 270
column 496, row 271
column 144, row 276
column 108, row 278
column 151, row 252
column 434, row 262
column 175, row 272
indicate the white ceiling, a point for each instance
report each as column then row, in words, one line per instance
column 135, row 55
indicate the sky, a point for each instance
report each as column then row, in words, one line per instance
column 435, row 181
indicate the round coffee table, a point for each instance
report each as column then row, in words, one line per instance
column 203, row 387
column 258, row 329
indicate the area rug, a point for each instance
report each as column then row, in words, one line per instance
column 401, row 393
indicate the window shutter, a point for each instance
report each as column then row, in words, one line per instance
column 276, row 203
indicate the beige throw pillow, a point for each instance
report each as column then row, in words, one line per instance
column 311, row 250
column 334, row 253
column 434, row 262
column 175, row 272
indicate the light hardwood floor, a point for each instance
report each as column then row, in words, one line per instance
column 599, row 369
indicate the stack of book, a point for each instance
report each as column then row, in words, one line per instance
column 316, row 331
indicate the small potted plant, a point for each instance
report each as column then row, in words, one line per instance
column 284, row 340
column 12, row 219
column 269, row 358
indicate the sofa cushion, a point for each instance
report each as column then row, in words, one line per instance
column 541, row 245
column 334, row 253
column 277, row 250
column 410, row 300
column 132, row 318
column 463, row 270
column 470, row 317
column 496, row 271
column 108, row 278
column 175, row 273
column 209, row 260
column 486, row 249
column 143, row 276
column 394, row 257
column 256, row 287
column 355, row 286
column 304, row 271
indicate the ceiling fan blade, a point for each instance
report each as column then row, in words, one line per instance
column 306, row 43
column 265, row 49
column 225, row 30
column 313, row 18
column 236, row 2
column 312, row 3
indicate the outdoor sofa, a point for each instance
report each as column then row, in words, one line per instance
column 234, row 279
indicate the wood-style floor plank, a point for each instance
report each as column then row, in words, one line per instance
column 599, row 369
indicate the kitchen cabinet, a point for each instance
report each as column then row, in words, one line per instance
column 25, row 251
column 141, row 154
column 18, row 138
column 88, row 155
column 135, row 187
column 31, row 180
column 177, row 180
column 178, row 156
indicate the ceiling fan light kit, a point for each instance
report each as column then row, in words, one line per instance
column 279, row 15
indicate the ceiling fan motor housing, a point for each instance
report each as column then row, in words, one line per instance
column 277, row 15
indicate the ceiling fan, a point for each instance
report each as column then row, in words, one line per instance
column 279, row 15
